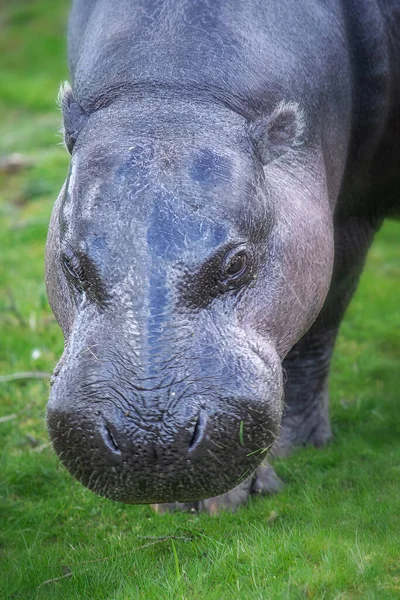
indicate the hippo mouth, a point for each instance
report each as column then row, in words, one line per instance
column 198, row 461
column 204, row 454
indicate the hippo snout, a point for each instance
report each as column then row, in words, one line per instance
column 187, row 452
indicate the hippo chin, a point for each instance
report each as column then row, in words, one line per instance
column 221, row 198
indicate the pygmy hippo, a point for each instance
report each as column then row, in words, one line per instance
column 231, row 162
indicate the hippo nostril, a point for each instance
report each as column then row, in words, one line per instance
column 109, row 439
column 197, row 431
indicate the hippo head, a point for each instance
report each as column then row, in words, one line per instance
column 188, row 251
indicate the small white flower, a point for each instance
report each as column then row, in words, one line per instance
column 36, row 353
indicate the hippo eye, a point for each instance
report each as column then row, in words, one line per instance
column 72, row 267
column 235, row 264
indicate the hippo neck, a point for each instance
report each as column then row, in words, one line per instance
column 245, row 53
column 371, row 71
column 372, row 167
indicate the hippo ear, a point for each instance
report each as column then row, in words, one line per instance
column 74, row 117
column 277, row 133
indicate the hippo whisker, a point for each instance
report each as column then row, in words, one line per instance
column 214, row 456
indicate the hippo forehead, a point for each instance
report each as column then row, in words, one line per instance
column 190, row 174
column 153, row 191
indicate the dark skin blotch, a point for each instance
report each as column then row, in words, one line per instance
column 209, row 169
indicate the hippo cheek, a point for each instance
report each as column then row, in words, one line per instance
column 148, row 447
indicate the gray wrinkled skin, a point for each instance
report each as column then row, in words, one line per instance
column 231, row 162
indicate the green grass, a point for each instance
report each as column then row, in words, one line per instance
column 334, row 532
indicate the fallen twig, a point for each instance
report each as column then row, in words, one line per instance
column 25, row 375
column 54, row 580
column 8, row 418
column 163, row 538
column 42, row 447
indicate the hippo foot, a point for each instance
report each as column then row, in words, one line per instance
column 264, row 481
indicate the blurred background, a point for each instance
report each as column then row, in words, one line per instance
column 334, row 531
column 33, row 164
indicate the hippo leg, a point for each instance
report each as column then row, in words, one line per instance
column 306, row 418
